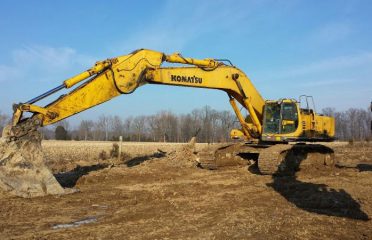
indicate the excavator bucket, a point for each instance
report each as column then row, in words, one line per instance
column 22, row 168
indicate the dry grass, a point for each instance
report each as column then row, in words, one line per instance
column 81, row 150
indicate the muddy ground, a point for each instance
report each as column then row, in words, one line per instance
column 165, row 196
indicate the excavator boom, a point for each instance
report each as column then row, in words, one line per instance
column 122, row 75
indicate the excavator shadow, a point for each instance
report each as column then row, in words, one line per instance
column 139, row 160
column 70, row 178
column 316, row 198
column 362, row 167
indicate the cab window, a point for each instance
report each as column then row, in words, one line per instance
column 272, row 118
column 289, row 118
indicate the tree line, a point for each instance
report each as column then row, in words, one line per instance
column 353, row 124
column 209, row 125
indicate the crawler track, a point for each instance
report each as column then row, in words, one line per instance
column 279, row 159
column 286, row 159
column 271, row 159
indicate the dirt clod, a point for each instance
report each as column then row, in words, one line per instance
column 22, row 168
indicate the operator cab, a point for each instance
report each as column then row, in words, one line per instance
column 280, row 117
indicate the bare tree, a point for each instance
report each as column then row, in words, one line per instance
column 139, row 126
column 153, row 126
column 228, row 122
column 215, row 122
column 197, row 124
column 85, row 129
column 167, row 124
column 329, row 111
column 186, row 127
column 128, row 122
column 104, row 125
column 352, row 124
column 97, row 132
column 47, row 132
column 116, row 127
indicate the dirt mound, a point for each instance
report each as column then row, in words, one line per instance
column 22, row 168
column 184, row 156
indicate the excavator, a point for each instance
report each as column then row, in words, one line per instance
column 277, row 134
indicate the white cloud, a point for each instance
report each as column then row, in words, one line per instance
column 39, row 63
column 326, row 82
column 181, row 22
column 8, row 72
column 329, row 66
column 331, row 32
column 175, row 26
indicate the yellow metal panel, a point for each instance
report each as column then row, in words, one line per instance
column 94, row 92
column 129, row 70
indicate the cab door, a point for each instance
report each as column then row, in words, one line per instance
column 289, row 118
column 272, row 119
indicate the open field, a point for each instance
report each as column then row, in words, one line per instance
column 152, row 194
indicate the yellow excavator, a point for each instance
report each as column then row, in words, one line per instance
column 277, row 133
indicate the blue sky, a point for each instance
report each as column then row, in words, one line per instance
column 287, row 48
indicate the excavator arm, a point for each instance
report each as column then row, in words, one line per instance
column 123, row 75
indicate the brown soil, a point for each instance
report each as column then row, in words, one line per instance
column 164, row 196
